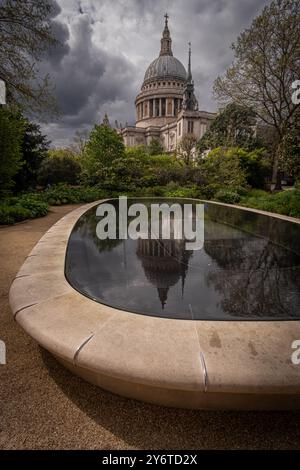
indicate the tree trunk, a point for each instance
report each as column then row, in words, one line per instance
column 276, row 175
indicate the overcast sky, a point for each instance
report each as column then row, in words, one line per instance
column 108, row 44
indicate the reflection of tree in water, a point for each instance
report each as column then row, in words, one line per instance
column 86, row 228
column 165, row 262
column 257, row 279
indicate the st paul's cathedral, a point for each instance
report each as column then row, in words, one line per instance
column 166, row 106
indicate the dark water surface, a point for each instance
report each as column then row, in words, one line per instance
column 248, row 268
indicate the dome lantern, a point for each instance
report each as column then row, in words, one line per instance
column 166, row 66
column 166, row 41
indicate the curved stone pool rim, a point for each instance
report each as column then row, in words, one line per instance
column 183, row 363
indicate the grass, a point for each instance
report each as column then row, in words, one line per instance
column 283, row 202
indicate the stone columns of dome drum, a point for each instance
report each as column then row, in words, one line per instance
column 153, row 107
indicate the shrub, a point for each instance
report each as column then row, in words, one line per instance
column 189, row 192
column 152, row 191
column 209, row 191
column 180, row 175
column 64, row 194
column 26, row 207
column 57, row 169
column 36, row 207
column 163, row 161
column 124, row 174
column 12, row 214
column 155, row 147
column 255, row 165
column 222, row 167
column 228, row 196
column 284, row 202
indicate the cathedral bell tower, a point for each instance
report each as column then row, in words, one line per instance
column 190, row 102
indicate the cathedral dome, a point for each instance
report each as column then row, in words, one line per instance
column 165, row 67
column 161, row 96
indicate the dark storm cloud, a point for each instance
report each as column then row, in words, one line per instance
column 106, row 47
column 88, row 76
column 80, row 70
column 57, row 52
column 55, row 8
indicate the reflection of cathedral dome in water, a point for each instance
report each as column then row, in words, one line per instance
column 165, row 263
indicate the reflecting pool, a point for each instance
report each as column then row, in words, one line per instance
column 248, row 268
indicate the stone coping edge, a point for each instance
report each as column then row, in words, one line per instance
column 183, row 363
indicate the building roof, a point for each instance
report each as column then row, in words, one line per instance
column 166, row 66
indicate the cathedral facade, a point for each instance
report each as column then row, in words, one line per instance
column 166, row 106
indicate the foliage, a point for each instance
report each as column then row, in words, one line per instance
column 26, row 207
column 138, row 151
column 256, row 166
column 11, row 135
column 125, row 174
column 291, row 153
column 138, row 169
column 36, row 204
column 62, row 152
column 163, row 161
column 37, row 207
column 79, row 143
column 170, row 190
column 181, row 175
column 59, row 167
column 34, row 150
column 25, row 33
column 173, row 190
column 31, row 205
column 233, row 127
column 235, row 167
column 103, row 147
column 11, row 214
column 64, row 194
column 228, row 196
column 284, row 202
column 266, row 63
column 222, row 167
column 155, row 147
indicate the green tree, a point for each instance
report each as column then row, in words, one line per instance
column 185, row 149
column 222, row 167
column 59, row 167
column 233, row 127
column 125, row 174
column 255, row 165
column 34, row 150
column 11, row 135
column 25, row 33
column 155, row 147
column 138, row 152
column 291, row 151
column 266, row 63
column 79, row 142
column 103, row 147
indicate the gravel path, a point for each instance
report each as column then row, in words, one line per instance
column 42, row 406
